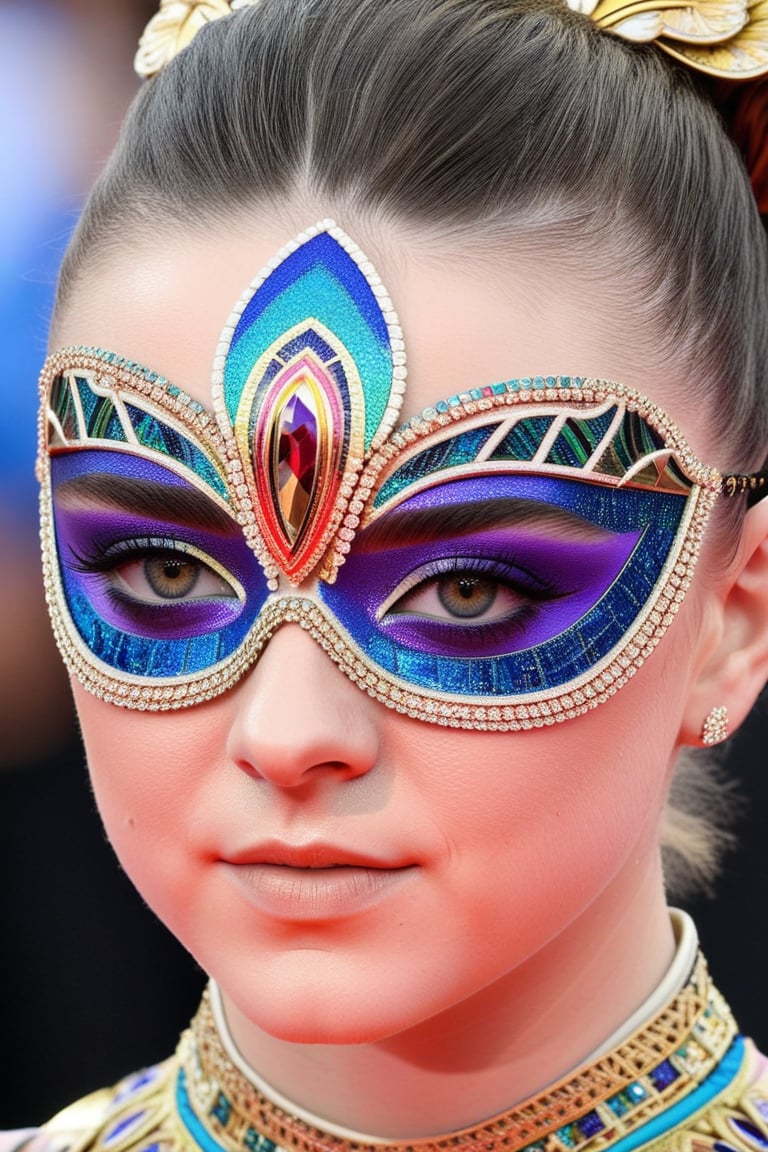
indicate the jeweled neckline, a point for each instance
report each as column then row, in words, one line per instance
column 662, row 1064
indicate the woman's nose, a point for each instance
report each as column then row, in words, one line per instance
column 297, row 716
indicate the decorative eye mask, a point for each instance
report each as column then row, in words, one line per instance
column 505, row 560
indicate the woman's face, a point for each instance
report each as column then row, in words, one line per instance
column 342, row 870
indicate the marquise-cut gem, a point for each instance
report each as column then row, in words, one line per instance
column 296, row 458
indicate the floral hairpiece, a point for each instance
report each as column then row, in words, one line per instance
column 727, row 39
column 175, row 26
column 723, row 38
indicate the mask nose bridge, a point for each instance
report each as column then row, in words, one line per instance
column 302, row 606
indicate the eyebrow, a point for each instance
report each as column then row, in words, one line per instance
column 144, row 498
column 398, row 529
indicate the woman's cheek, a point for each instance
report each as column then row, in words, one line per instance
column 145, row 771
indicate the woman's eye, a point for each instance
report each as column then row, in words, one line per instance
column 466, row 595
column 461, row 595
column 159, row 579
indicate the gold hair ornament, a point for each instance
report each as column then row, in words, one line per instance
column 175, row 26
column 723, row 38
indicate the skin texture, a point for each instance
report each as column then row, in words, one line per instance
column 528, row 919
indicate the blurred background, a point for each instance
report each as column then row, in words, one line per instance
column 92, row 985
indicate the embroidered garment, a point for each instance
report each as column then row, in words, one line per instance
column 684, row 1081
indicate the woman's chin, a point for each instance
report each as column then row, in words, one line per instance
column 325, row 1010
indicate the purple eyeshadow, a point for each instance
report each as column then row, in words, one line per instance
column 580, row 560
column 560, row 579
column 155, row 620
column 91, row 535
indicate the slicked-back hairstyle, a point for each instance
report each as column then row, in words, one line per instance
column 498, row 117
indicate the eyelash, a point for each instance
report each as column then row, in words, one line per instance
column 518, row 579
column 106, row 559
column 109, row 557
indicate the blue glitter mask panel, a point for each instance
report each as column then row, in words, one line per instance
column 507, row 559
column 154, row 578
column 530, row 603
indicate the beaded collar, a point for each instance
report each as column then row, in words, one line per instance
column 684, row 1082
column 659, row 1066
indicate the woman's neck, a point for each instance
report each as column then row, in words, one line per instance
column 496, row 1048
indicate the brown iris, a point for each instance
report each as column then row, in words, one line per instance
column 466, row 595
column 170, row 578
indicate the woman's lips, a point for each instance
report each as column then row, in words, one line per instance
column 313, row 882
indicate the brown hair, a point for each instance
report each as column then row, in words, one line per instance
column 488, row 117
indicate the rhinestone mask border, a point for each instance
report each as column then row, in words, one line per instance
column 539, row 710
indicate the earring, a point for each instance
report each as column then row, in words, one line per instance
column 715, row 728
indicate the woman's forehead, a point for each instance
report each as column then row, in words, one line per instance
column 467, row 320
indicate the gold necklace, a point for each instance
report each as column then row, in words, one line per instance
column 684, row 1082
column 599, row 1103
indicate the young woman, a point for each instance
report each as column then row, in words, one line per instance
column 383, row 679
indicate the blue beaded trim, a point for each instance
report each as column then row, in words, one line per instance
column 220, row 1110
column 112, row 360
column 194, row 1127
column 524, row 384
column 716, row 1082
column 571, row 1136
column 580, row 1132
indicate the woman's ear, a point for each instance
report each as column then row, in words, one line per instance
column 734, row 635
